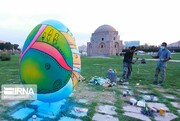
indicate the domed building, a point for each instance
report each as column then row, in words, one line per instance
column 105, row 41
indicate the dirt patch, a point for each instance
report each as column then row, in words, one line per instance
column 135, row 112
column 126, row 98
column 106, row 109
column 166, row 117
column 157, row 105
column 101, row 117
column 176, row 104
column 145, row 91
column 141, row 86
column 93, row 96
column 137, row 116
column 162, row 90
column 177, row 90
column 169, row 96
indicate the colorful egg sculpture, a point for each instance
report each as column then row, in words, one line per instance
column 50, row 59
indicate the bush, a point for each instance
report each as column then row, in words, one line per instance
column 4, row 56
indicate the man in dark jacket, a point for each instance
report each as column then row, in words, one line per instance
column 127, row 63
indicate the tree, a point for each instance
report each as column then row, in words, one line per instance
column 15, row 46
column 8, row 46
column 1, row 46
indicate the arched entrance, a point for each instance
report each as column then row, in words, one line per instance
column 102, row 49
column 116, row 48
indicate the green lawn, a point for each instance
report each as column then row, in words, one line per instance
column 9, row 72
column 142, row 73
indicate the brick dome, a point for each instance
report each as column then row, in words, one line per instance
column 104, row 28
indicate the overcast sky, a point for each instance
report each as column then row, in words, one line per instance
column 150, row 21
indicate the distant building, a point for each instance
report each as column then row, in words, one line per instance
column 174, row 44
column 131, row 43
column 105, row 41
column 82, row 48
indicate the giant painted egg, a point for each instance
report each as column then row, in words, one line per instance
column 50, row 59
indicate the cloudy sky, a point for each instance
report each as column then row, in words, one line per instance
column 150, row 21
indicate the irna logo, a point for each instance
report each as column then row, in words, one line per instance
column 18, row 92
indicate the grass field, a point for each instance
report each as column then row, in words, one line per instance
column 9, row 74
column 9, row 71
column 143, row 72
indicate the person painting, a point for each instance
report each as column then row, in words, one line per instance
column 163, row 55
column 127, row 63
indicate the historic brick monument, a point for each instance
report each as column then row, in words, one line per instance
column 105, row 41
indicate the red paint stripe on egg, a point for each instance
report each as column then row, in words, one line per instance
column 50, row 50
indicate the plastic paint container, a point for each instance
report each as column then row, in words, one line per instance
column 162, row 111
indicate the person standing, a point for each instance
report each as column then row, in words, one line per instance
column 163, row 56
column 127, row 63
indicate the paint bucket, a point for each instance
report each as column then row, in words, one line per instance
column 124, row 93
column 133, row 101
column 127, row 91
column 162, row 111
